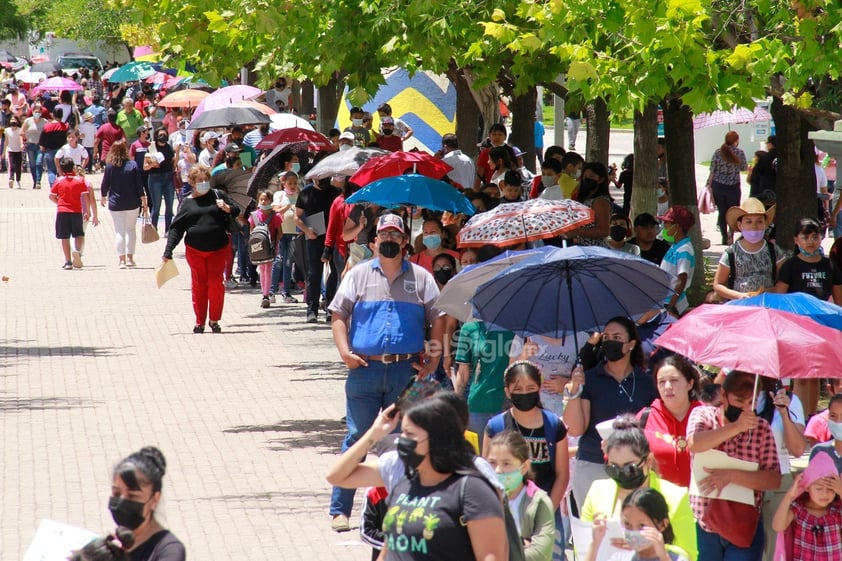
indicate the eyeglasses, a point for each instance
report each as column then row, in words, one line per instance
column 627, row 470
column 387, row 235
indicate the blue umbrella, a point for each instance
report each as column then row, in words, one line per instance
column 132, row 71
column 797, row 303
column 414, row 189
column 571, row 289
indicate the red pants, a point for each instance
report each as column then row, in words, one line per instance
column 206, row 269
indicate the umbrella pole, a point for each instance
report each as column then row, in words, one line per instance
column 572, row 315
column 754, row 399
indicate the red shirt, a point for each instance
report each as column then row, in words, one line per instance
column 667, row 438
column 391, row 142
column 108, row 134
column 69, row 190
column 339, row 212
column 482, row 162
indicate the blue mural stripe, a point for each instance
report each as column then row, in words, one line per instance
column 426, row 134
column 400, row 81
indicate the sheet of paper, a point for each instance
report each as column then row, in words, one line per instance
column 717, row 459
column 245, row 159
column 316, row 221
column 54, row 541
column 583, row 536
column 165, row 271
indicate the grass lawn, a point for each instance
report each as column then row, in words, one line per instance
column 617, row 123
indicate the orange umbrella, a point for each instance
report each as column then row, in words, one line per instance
column 183, row 98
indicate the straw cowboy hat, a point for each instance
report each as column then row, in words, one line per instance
column 749, row 206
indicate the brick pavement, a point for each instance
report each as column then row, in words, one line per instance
column 96, row 363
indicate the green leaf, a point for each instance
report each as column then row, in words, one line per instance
column 582, row 71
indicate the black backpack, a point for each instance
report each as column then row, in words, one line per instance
column 261, row 248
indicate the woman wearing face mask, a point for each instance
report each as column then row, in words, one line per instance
column 160, row 179
column 203, row 220
column 31, row 131
column 14, row 151
column 135, row 495
column 735, row 430
column 619, row 385
column 543, row 431
column 122, row 190
column 283, row 202
column 724, row 179
column 432, row 236
column 593, row 192
column 630, row 466
column 834, row 426
column 444, row 269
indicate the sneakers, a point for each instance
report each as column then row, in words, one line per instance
column 198, row 329
column 265, row 302
column 77, row 260
column 340, row 523
column 328, row 317
column 215, row 327
column 130, row 263
column 122, row 264
column 289, row 299
column 311, row 317
column 67, row 266
column 230, row 283
column 271, row 297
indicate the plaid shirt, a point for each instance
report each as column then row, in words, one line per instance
column 757, row 445
column 817, row 538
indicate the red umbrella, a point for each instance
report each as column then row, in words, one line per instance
column 763, row 341
column 398, row 163
column 317, row 141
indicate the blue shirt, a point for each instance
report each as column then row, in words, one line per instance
column 680, row 258
column 539, row 134
column 386, row 318
column 610, row 398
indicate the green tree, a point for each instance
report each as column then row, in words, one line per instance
column 13, row 21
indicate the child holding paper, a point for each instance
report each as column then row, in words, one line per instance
column 809, row 518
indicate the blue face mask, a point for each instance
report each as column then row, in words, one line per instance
column 432, row 241
column 296, row 167
column 266, row 207
column 818, row 252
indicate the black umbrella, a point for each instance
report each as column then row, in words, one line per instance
column 46, row 67
column 227, row 117
column 235, row 183
column 270, row 166
column 6, row 56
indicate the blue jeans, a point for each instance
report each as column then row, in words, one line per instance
column 50, row 158
column 315, row 268
column 239, row 241
column 282, row 266
column 713, row 547
column 368, row 389
column 160, row 184
column 36, row 161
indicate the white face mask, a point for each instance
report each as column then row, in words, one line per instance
column 357, row 122
column 203, row 187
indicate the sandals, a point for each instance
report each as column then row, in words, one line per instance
column 198, row 329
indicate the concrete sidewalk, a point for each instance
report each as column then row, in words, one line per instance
column 96, row 363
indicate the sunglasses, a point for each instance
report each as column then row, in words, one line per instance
column 628, row 470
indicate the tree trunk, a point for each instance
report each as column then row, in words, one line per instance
column 599, row 131
column 796, row 176
column 681, row 174
column 522, row 134
column 475, row 109
column 329, row 97
column 645, row 180
column 308, row 105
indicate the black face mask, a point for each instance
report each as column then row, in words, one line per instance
column 627, row 476
column 617, row 233
column 388, row 132
column 525, row 401
column 732, row 413
column 215, row 145
column 613, row 350
column 389, row 249
column 442, row 275
column 588, row 187
column 406, row 452
column 126, row 513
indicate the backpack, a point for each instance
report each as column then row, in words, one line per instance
column 732, row 263
column 261, row 248
column 512, row 534
column 498, row 423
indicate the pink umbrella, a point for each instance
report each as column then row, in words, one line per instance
column 759, row 340
column 57, row 84
column 225, row 97
column 163, row 79
column 735, row 116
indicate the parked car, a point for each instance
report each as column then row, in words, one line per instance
column 70, row 62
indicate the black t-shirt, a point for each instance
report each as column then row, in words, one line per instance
column 166, row 165
column 313, row 199
column 656, row 253
column 817, row 279
column 423, row 522
column 162, row 546
column 204, row 225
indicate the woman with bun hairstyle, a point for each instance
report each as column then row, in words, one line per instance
column 135, row 495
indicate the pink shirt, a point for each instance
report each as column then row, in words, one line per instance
column 817, row 428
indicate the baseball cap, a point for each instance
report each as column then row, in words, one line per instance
column 518, row 152
column 390, row 221
column 232, row 147
column 347, row 136
column 140, row 129
column 679, row 215
column 387, row 121
column 210, row 135
column 645, row 219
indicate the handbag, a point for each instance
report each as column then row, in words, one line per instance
column 148, row 232
column 736, row 522
column 705, row 201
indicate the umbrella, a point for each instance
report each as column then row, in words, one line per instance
column 514, row 223
column 57, row 83
column 571, row 289
column 6, row 56
column 456, row 295
column 262, row 107
column 163, row 79
column 398, row 163
column 47, row 67
column 27, row 76
column 288, row 121
column 270, row 166
column 732, row 117
column 224, row 97
column 316, row 141
column 131, row 72
column 183, row 98
column 414, row 189
column 799, row 303
column 228, row 117
column 235, row 183
column 767, row 342
column 344, row 162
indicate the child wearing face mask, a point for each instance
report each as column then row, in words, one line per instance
column 266, row 215
column 530, row 506
column 542, row 430
column 619, row 229
column 647, row 529
column 432, row 236
column 833, row 448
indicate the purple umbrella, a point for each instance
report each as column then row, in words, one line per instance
column 734, row 116
column 225, row 97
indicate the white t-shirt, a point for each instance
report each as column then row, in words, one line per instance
column 88, row 132
column 14, row 141
column 464, row 171
column 552, row 193
column 77, row 154
column 796, row 413
column 555, row 357
column 821, row 179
